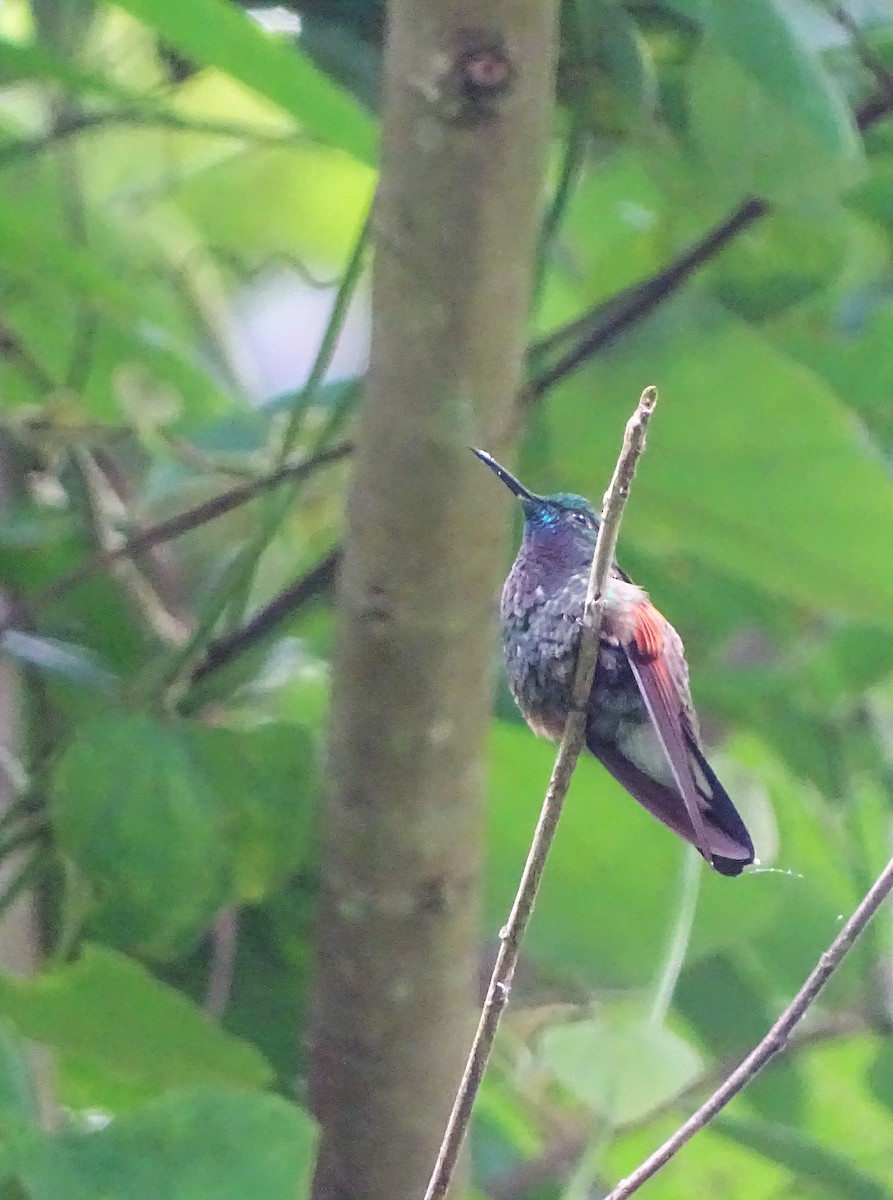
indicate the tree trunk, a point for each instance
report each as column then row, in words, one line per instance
column 467, row 103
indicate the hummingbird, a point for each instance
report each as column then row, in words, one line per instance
column 640, row 720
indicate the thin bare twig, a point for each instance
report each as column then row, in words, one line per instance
column 773, row 1043
column 568, row 753
column 556, row 1159
column 224, row 935
column 103, row 505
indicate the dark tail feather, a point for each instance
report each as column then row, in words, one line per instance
column 730, row 846
column 723, row 814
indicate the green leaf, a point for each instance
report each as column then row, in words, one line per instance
column 785, row 256
column 117, row 636
column 768, row 154
column 345, row 56
column 709, row 1166
column 618, row 79
column 268, row 1000
column 503, row 1111
column 842, row 1111
column 817, row 883
column 827, row 1170
column 193, row 1145
column 217, row 35
column 120, row 1035
column 761, row 39
column 138, row 336
column 32, row 246
column 880, row 1074
column 139, row 821
column 746, row 451
column 314, row 204
column 266, row 783
column 844, row 332
column 763, row 105
column 613, row 226
column 589, row 865
column 619, row 1064
column 730, row 1007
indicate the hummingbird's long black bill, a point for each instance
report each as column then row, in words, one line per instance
column 507, row 477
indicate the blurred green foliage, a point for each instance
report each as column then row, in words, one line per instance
column 164, row 164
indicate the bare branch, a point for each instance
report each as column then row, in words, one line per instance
column 261, row 624
column 224, row 935
column 773, row 1043
column 605, row 322
column 866, row 53
column 568, row 752
column 103, row 505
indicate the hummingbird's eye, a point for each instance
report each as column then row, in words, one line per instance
column 580, row 518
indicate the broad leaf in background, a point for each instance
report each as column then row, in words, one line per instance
column 140, row 352
column 269, row 994
column 843, row 1113
column 729, row 1005
column 142, row 824
column 620, row 1064
column 299, row 196
column 120, row 1035
column 766, row 156
column 830, row 1172
column 787, row 257
column 190, row 1145
column 18, row 1098
column 843, row 332
column 21, row 62
column 755, row 76
column 32, row 247
column 710, row 1165
column 266, row 784
column 218, row 35
column 57, row 658
column 753, row 463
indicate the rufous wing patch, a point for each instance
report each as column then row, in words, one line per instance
column 648, row 633
column 649, row 665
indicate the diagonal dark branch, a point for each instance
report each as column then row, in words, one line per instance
column 319, row 580
column 603, row 324
column 866, row 53
column 606, row 322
